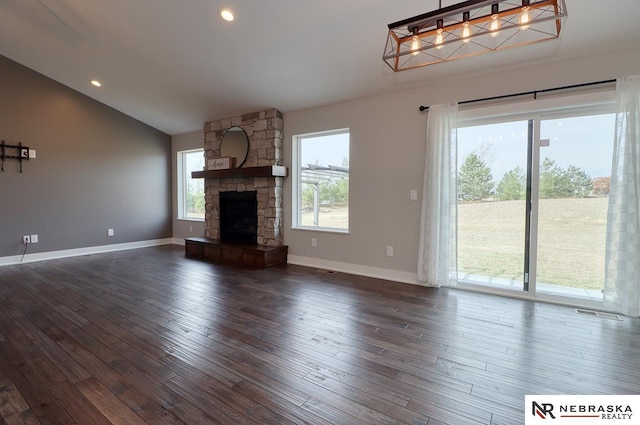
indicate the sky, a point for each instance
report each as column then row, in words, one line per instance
column 585, row 142
column 327, row 150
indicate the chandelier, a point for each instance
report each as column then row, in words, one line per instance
column 471, row 28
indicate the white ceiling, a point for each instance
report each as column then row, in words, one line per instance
column 174, row 64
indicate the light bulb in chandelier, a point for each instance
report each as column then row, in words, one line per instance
column 415, row 45
column 466, row 30
column 494, row 27
column 439, row 40
column 525, row 18
column 439, row 36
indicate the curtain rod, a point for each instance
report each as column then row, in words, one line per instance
column 533, row 92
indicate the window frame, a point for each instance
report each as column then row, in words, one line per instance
column 296, row 187
column 182, row 180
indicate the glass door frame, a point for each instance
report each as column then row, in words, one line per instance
column 533, row 203
column 599, row 101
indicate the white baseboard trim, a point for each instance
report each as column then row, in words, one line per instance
column 178, row 241
column 65, row 253
column 412, row 278
column 368, row 271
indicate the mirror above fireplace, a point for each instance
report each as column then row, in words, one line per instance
column 235, row 143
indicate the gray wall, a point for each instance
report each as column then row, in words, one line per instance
column 96, row 168
column 388, row 154
column 184, row 228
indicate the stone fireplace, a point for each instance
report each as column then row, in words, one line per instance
column 264, row 130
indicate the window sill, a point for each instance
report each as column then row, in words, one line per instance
column 199, row 220
column 322, row 230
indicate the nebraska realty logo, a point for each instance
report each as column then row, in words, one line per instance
column 582, row 409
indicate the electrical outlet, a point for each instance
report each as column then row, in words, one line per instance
column 32, row 153
column 413, row 194
column 190, row 228
column 389, row 251
column 34, row 238
column 109, row 232
column 26, row 239
column 314, row 242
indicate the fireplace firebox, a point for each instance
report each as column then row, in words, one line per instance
column 239, row 217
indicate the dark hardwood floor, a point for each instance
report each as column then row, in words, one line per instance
column 148, row 336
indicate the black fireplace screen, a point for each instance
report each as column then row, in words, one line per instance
column 239, row 217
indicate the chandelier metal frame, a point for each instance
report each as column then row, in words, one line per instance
column 471, row 28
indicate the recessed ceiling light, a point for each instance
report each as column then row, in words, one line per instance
column 96, row 83
column 227, row 14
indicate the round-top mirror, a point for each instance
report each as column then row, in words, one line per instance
column 235, row 143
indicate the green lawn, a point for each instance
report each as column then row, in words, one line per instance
column 571, row 240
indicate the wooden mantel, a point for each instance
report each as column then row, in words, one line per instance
column 264, row 171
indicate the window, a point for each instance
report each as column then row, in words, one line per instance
column 321, row 181
column 190, row 191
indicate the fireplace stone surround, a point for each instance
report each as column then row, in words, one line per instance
column 264, row 130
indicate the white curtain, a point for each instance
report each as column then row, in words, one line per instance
column 622, row 261
column 437, row 263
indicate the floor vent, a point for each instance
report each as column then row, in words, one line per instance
column 325, row 271
column 599, row 314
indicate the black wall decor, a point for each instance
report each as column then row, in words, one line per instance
column 19, row 152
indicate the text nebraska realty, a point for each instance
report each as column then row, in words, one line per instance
column 605, row 411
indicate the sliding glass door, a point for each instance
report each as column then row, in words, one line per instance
column 492, row 165
column 574, row 171
column 532, row 202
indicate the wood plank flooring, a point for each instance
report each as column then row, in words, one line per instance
column 148, row 336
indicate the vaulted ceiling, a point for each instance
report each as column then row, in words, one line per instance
column 174, row 64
